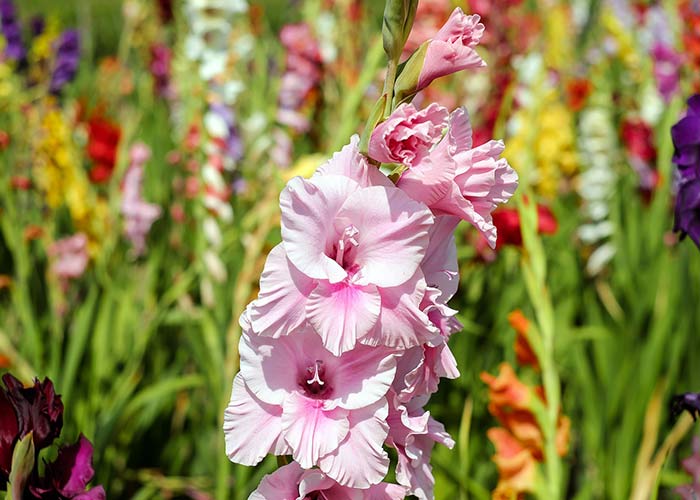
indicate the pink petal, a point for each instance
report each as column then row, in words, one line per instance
column 268, row 365
column 309, row 208
column 311, row 429
column 283, row 484
column 368, row 430
column 386, row 491
column 393, row 233
column 349, row 162
column 430, row 180
column 402, row 324
column 408, row 134
column 452, row 49
column 440, row 263
column 314, row 480
column 243, row 416
column 341, row 313
column 280, row 306
column 362, row 376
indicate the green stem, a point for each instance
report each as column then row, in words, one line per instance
column 389, row 86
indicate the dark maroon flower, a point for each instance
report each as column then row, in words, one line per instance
column 686, row 139
column 38, row 409
column 8, row 436
column 67, row 477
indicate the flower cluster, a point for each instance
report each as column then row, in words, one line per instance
column 347, row 338
column 519, row 440
column 38, row 411
column 66, row 60
column 138, row 214
column 11, row 31
column 301, row 76
column 687, row 157
column 103, row 144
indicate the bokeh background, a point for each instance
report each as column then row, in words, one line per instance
column 140, row 339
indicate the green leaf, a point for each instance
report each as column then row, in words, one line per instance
column 22, row 467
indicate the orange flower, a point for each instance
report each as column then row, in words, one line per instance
column 578, row 91
column 506, row 390
column 32, row 232
column 510, row 404
column 523, row 350
column 515, row 463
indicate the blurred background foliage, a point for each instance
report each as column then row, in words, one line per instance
column 143, row 349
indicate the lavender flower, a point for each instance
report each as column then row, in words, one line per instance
column 67, row 60
column 11, row 31
column 686, row 139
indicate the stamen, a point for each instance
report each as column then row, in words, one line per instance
column 348, row 237
column 316, row 378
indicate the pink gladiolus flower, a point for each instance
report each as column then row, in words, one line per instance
column 453, row 178
column 70, row 256
column 291, row 482
column 138, row 214
column 413, row 433
column 452, row 48
column 408, row 135
column 349, row 261
column 419, row 369
column 325, row 410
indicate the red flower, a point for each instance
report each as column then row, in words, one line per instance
column 507, row 222
column 638, row 139
column 103, row 141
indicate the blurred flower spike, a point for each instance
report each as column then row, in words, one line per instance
column 519, row 442
column 523, row 349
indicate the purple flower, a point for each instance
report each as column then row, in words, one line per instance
column 38, row 409
column 686, row 139
column 11, row 31
column 67, row 477
column 67, row 60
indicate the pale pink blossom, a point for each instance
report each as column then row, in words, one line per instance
column 419, row 369
column 322, row 409
column 413, row 433
column 408, row 135
column 292, row 482
column 70, row 257
column 452, row 48
column 453, row 178
column 349, row 261
column 138, row 214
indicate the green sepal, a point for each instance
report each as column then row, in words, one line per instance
column 406, row 86
column 22, row 467
column 375, row 117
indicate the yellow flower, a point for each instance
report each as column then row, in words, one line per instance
column 548, row 140
column 59, row 176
